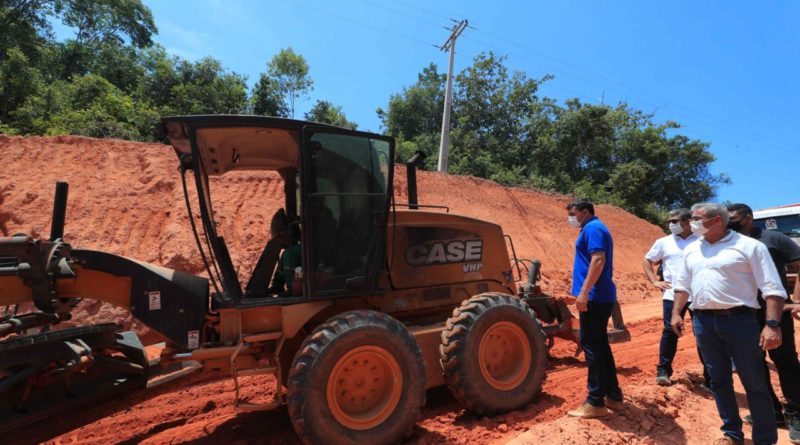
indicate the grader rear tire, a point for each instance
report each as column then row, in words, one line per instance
column 493, row 353
column 358, row 378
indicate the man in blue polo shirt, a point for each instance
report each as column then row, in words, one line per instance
column 596, row 294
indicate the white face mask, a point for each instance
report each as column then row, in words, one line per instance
column 573, row 221
column 698, row 228
column 675, row 228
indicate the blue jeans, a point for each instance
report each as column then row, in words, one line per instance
column 602, row 379
column 669, row 344
column 736, row 336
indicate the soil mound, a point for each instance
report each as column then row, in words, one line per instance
column 126, row 198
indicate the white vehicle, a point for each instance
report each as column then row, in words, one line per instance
column 785, row 219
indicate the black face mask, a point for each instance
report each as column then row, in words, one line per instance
column 736, row 226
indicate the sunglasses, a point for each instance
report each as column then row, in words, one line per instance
column 673, row 221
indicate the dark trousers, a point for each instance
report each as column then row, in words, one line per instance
column 720, row 338
column 785, row 359
column 602, row 381
column 669, row 343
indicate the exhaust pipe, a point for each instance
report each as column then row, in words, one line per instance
column 411, row 172
column 533, row 277
column 59, row 211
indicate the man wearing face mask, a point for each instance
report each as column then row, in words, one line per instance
column 596, row 294
column 723, row 272
column 783, row 252
column 669, row 252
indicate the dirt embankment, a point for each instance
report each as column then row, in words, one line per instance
column 126, row 198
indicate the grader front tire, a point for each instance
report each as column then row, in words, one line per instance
column 358, row 378
column 493, row 353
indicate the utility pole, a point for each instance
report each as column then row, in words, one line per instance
column 450, row 45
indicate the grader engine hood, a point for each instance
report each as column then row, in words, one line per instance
column 432, row 249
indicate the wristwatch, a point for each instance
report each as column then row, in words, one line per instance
column 774, row 323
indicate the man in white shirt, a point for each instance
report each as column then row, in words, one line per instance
column 723, row 272
column 668, row 251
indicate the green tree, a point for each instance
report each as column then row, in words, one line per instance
column 503, row 131
column 98, row 21
column 414, row 116
column 18, row 81
column 88, row 106
column 205, row 87
column 325, row 112
column 290, row 71
column 25, row 25
column 417, row 109
column 267, row 98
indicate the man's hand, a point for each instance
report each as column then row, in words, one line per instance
column 794, row 308
column 770, row 338
column 663, row 285
column 582, row 302
column 677, row 324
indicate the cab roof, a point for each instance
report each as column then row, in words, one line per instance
column 239, row 142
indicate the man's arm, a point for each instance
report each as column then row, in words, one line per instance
column 592, row 275
column 769, row 282
column 649, row 271
column 681, row 297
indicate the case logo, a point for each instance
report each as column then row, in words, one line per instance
column 444, row 252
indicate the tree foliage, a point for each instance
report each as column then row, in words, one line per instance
column 289, row 73
column 325, row 112
column 503, row 131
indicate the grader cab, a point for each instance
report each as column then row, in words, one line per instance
column 386, row 300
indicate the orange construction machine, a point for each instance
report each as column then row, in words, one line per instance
column 374, row 301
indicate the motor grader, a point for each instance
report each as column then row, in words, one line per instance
column 389, row 298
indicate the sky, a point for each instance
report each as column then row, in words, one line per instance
column 725, row 70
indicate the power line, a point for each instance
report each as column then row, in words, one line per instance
column 698, row 118
column 347, row 19
column 728, row 126
column 423, row 9
column 397, row 11
column 693, row 115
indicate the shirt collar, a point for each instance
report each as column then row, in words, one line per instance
column 691, row 237
column 727, row 237
column 594, row 217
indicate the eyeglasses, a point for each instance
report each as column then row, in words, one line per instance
column 673, row 221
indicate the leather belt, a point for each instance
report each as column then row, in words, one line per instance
column 729, row 311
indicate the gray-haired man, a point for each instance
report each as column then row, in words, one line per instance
column 723, row 271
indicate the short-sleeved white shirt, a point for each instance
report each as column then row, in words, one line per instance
column 669, row 250
column 728, row 273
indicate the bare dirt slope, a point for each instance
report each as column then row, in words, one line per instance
column 126, row 198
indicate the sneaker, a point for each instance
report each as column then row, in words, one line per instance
column 779, row 421
column 589, row 411
column 663, row 380
column 614, row 405
column 793, row 425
